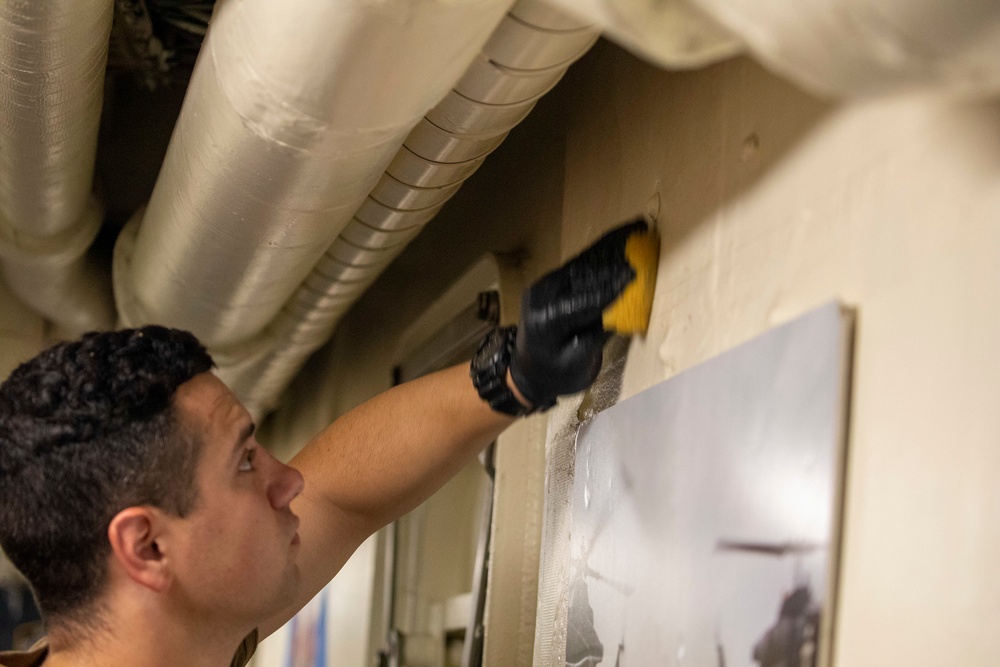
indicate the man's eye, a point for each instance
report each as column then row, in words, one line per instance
column 246, row 463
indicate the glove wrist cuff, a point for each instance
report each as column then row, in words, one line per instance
column 489, row 372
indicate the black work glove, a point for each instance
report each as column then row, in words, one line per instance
column 561, row 336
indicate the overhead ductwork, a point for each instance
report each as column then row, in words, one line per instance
column 292, row 114
column 288, row 188
column 52, row 60
column 301, row 167
column 525, row 57
column 673, row 33
column 832, row 47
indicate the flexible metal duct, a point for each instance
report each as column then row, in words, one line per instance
column 292, row 114
column 52, row 60
column 525, row 57
column 833, row 47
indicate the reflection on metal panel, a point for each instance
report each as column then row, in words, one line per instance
column 705, row 509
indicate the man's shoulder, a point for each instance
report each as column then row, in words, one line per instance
column 30, row 658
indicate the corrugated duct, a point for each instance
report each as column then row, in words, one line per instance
column 292, row 114
column 525, row 57
column 52, row 61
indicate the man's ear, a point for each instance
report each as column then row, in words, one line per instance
column 136, row 541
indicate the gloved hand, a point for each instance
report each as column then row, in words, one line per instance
column 560, row 339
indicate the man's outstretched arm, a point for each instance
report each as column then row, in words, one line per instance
column 391, row 453
column 379, row 461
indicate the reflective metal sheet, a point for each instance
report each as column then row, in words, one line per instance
column 705, row 509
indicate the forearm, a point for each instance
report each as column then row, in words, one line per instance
column 389, row 454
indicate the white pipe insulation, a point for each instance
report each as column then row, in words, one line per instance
column 525, row 57
column 670, row 33
column 52, row 62
column 832, row 47
column 292, row 114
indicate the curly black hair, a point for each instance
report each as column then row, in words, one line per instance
column 87, row 429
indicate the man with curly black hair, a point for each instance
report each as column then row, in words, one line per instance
column 155, row 530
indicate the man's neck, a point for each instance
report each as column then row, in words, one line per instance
column 147, row 638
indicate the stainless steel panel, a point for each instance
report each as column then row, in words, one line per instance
column 706, row 504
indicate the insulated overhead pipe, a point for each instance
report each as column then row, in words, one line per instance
column 866, row 47
column 525, row 57
column 52, row 62
column 292, row 114
column 832, row 47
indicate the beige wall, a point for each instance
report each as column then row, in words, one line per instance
column 771, row 202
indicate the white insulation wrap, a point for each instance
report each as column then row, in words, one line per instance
column 52, row 58
column 863, row 47
column 669, row 33
column 52, row 61
column 523, row 59
column 292, row 114
column 832, row 47
column 56, row 277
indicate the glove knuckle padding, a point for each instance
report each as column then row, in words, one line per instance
column 561, row 337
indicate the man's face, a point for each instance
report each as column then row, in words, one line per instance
column 236, row 550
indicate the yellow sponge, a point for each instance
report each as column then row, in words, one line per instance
column 629, row 313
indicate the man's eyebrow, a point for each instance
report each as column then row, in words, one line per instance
column 244, row 435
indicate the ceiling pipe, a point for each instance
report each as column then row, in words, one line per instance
column 838, row 48
column 526, row 56
column 671, row 33
column 292, row 114
column 52, row 62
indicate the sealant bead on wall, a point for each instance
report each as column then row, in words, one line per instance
column 378, row 216
column 520, row 46
column 394, row 194
column 485, row 81
column 544, row 15
column 461, row 115
column 409, row 167
column 362, row 235
column 430, row 141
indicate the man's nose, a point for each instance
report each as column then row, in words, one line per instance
column 288, row 483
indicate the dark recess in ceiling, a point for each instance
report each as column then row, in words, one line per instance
column 152, row 51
